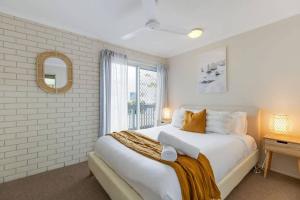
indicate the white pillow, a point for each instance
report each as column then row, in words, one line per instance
column 219, row 122
column 226, row 122
column 239, row 123
column 177, row 118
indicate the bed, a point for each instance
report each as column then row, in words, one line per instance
column 125, row 174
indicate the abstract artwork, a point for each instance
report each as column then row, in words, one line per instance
column 212, row 71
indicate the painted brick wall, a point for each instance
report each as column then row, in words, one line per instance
column 40, row 131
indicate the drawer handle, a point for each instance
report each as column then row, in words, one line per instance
column 281, row 142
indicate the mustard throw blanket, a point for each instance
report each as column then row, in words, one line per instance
column 196, row 177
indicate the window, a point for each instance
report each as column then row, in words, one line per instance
column 142, row 89
column 50, row 80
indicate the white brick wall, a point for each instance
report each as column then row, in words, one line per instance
column 40, row 131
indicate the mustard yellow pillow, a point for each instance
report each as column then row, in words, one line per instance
column 194, row 122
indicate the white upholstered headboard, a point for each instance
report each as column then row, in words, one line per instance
column 253, row 118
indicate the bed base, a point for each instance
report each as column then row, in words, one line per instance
column 117, row 188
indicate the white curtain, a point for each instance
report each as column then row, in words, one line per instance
column 113, row 92
column 105, row 80
column 162, row 96
column 119, row 93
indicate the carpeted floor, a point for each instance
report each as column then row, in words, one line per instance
column 74, row 183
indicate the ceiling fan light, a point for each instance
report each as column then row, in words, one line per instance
column 195, row 33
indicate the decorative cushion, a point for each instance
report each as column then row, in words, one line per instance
column 194, row 122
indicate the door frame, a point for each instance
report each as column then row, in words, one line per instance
column 138, row 67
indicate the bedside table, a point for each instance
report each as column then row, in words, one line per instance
column 165, row 122
column 284, row 144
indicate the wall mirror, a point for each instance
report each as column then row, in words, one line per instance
column 54, row 72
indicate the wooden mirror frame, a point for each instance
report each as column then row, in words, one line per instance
column 40, row 60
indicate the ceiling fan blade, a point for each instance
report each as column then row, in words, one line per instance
column 133, row 34
column 150, row 7
column 173, row 30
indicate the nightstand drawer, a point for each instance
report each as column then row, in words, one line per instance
column 283, row 147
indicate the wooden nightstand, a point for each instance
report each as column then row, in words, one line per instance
column 165, row 122
column 284, row 144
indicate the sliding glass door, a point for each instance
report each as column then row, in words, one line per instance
column 142, row 90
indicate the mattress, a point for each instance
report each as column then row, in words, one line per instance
column 154, row 180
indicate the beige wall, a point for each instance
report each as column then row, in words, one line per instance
column 40, row 131
column 263, row 71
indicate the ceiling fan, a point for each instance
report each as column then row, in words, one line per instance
column 152, row 24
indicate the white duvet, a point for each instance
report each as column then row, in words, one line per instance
column 154, row 180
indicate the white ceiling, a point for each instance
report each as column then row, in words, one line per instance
column 108, row 20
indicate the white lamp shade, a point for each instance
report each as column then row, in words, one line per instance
column 280, row 123
column 167, row 113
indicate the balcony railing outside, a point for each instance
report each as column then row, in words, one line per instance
column 147, row 116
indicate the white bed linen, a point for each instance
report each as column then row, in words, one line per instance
column 154, row 180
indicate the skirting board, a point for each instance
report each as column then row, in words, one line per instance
column 117, row 188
